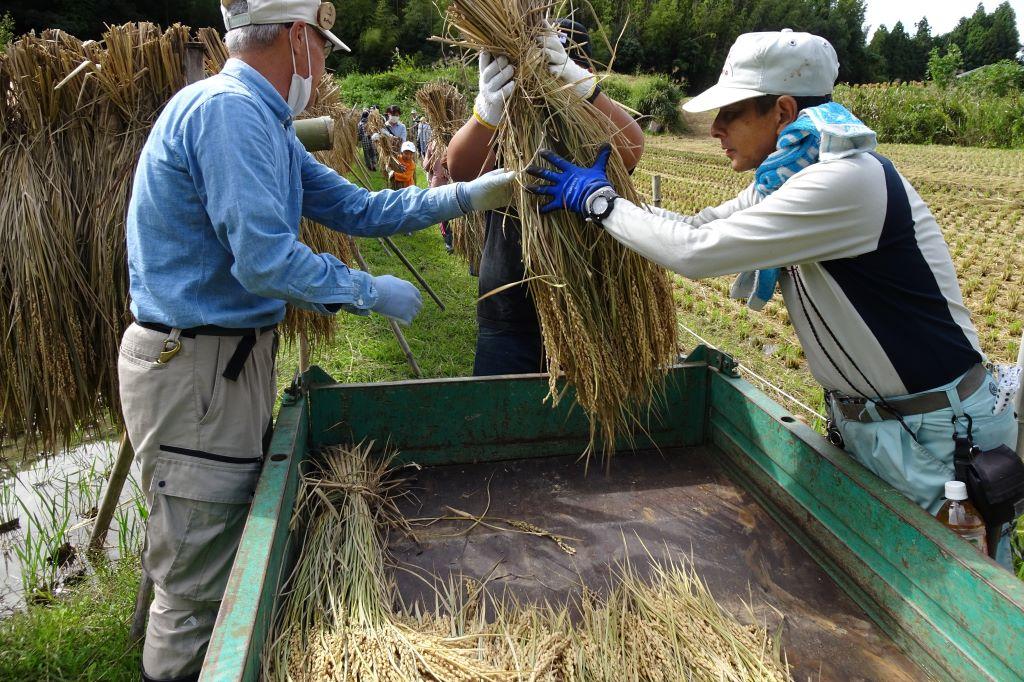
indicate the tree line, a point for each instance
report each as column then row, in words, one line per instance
column 686, row 39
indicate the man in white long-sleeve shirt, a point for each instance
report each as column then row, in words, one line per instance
column 861, row 263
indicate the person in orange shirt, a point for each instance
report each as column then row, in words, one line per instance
column 404, row 174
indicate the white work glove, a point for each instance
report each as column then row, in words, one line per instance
column 496, row 87
column 486, row 193
column 561, row 66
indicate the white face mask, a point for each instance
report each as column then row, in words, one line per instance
column 301, row 88
column 392, row 120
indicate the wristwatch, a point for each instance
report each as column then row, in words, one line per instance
column 600, row 203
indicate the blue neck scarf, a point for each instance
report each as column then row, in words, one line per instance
column 819, row 133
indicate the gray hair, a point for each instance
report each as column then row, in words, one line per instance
column 253, row 36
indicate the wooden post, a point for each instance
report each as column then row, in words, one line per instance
column 656, row 191
column 194, row 62
column 303, row 352
column 122, row 465
column 388, row 243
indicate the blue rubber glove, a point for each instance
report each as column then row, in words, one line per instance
column 396, row 299
column 570, row 185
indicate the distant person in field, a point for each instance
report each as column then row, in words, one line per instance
column 862, row 265
column 509, row 337
column 405, row 173
column 369, row 152
column 213, row 258
column 435, row 163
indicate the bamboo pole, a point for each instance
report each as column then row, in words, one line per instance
column 115, row 484
column 388, row 243
column 395, row 329
column 656, row 191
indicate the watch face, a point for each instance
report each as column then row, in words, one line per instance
column 600, row 205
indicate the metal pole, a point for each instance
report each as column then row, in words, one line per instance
column 656, row 191
column 405, row 261
column 402, row 343
column 1019, row 406
column 122, row 465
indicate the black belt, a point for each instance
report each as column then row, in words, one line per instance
column 242, row 352
column 853, row 408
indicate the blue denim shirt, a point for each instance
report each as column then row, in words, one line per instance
column 213, row 221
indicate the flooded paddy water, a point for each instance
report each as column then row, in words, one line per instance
column 46, row 512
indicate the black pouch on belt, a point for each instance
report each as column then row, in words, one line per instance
column 994, row 478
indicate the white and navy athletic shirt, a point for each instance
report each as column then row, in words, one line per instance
column 864, row 263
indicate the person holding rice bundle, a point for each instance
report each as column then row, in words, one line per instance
column 864, row 271
column 213, row 257
column 509, row 338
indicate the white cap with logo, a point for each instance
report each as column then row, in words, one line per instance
column 408, row 147
column 773, row 63
column 319, row 15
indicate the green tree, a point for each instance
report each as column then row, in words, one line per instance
column 6, row 29
column 942, row 69
column 377, row 43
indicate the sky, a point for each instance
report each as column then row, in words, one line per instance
column 943, row 15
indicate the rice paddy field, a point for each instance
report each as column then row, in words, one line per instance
column 975, row 194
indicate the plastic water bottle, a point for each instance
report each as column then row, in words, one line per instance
column 960, row 516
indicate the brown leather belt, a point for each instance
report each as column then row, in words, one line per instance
column 853, row 408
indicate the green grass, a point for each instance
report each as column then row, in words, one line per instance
column 82, row 637
column 443, row 343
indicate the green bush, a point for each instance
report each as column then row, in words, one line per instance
column 996, row 80
column 963, row 114
column 655, row 97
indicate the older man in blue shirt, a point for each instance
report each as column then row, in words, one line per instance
column 213, row 257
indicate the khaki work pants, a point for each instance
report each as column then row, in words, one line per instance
column 199, row 437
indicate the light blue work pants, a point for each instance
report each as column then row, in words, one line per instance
column 920, row 466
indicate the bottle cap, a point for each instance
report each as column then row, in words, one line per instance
column 956, row 490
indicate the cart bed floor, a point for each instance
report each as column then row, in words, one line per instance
column 677, row 501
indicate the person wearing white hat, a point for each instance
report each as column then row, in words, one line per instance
column 213, row 257
column 864, row 272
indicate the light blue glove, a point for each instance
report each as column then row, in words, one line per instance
column 396, row 299
column 571, row 185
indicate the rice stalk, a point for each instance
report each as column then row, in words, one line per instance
column 606, row 314
column 388, row 146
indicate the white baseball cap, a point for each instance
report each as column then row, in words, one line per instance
column 319, row 15
column 408, row 147
column 773, row 63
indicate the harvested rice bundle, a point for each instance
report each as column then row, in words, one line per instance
column 445, row 109
column 75, row 117
column 606, row 314
column 336, row 622
column 320, row 329
column 387, row 145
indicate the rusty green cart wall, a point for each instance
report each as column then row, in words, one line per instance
column 877, row 587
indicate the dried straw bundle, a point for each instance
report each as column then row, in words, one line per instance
column 387, row 145
column 342, row 158
column 74, row 119
column 69, row 154
column 606, row 314
column 445, row 109
column 337, row 622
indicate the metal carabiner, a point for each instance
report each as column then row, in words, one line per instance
column 171, row 347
